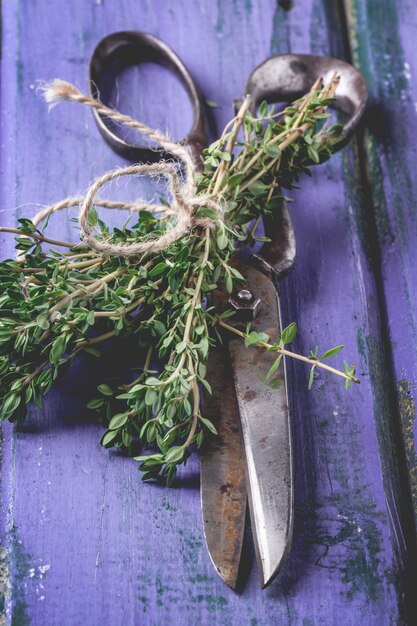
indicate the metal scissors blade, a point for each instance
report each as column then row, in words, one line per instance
column 257, row 459
column 223, row 482
column 264, row 415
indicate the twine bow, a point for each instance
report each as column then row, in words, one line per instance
column 184, row 200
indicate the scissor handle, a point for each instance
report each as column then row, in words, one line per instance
column 288, row 76
column 283, row 78
column 122, row 49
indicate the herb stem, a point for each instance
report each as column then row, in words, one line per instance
column 91, row 288
column 38, row 237
column 239, row 120
column 293, row 355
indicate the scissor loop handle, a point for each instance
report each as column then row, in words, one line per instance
column 286, row 77
column 283, row 78
column 123, row 49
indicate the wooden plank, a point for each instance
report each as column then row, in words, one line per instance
column 382, row 38
column 86, row 542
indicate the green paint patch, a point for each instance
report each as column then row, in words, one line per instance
column 219, row 27
column 408, row 416
column 159, row 591
column 280, row 40
column 5, row 584
column 168, row 506
column 144, row 602
column 353, row 545
column 362, row 348
column 382, row 218
column 191, row 546
column 20, row 565
column 213, row 603
column 248, row 6
column 359, row 534
column 199, row 578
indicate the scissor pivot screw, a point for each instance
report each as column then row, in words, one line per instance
column 245, row 304
column 245, row 295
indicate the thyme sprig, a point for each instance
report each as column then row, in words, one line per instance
column 60, row 299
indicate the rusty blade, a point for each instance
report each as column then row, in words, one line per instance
column 223, row 486
column 266, row 433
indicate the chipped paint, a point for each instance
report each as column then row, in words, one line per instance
column 361, row 568
column 21, row 563
column 408, row 416
column 5, row 584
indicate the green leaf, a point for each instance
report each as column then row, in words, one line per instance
column 235, row 179
column 151, row 432
column 92, row 351
column 91, row 318
column 207, row 212
column 212, row 105
column 172, row 472
column 263, row 109
column 150, row 396
column 158, row 269
column 126, row 438
column 150, row 459
column 152, row 382
column 222, row 240
column 108, row 437
column 311, row 377
column 275, row 365
column 208, row 424
column 236, row 273
column 254, row 338
column 258, row 188
column 160, row 327
column 207, row 385
column 95, row 403
column 27, row 225
column 289, row 333
column 106, row 390
column 92, row 217
column 273, row 151
column 332, row 352
column 229, row 284
column 10, row 404
column 118, row 420
column 175, row 455
column 204, row 346
column 180, row 347
column 42, row 321
column 57, row 349
column 313, row 154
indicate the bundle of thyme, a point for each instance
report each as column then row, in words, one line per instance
column 60, row 299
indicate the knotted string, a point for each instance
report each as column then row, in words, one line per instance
column 184, row 200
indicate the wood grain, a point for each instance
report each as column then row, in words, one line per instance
column 84, row 541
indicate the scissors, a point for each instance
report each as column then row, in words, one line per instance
column 250, row 461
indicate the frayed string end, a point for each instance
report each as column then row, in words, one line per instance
column 57, row 90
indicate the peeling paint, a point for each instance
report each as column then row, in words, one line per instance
column 5, row 584
column 21, row 563
column 408, row 416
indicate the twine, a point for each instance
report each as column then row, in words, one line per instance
column 184, row 200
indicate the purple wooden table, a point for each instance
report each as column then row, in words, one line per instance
column 83, row 541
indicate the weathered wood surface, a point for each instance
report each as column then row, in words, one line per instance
column 383, row 47
column 83, row 540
